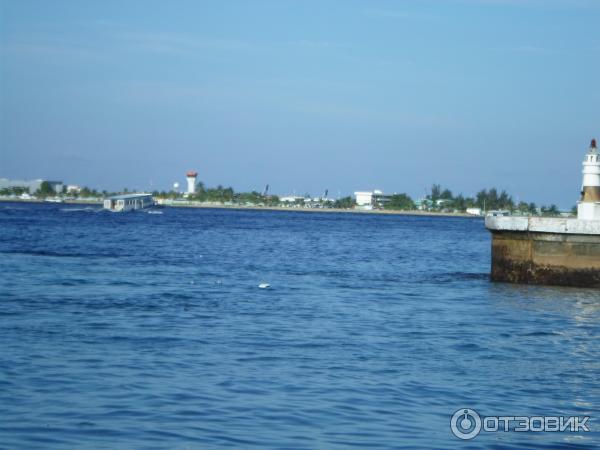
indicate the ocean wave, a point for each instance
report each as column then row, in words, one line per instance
column 59, row 254
column 85, row 209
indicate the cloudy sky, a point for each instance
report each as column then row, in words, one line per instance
column 302, row 95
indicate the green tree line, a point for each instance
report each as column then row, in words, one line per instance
column 486, row 200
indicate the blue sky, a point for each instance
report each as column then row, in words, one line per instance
column 303, row 95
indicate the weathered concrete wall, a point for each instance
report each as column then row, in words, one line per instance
column 543, row 224
column 524, row 250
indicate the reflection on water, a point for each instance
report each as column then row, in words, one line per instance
column 582, row 304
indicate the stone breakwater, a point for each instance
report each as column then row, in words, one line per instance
column 537, row 250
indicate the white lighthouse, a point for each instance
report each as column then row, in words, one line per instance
column 588, row 207
column 191, row 182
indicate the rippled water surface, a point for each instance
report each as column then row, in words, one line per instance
column 145, row 330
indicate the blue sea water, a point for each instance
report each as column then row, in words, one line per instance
column 149, row 331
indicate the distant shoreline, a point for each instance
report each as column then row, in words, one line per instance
column 271, row 208
column 328, row 210
column 70, row 202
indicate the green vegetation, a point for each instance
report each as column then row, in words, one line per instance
column 45, row 190
column 220, row 194
column 486, row 200
column 344, row 203
column 255, row 198
column 400, row 202
column 551, row 210
column 15, row 190
column 87, row 192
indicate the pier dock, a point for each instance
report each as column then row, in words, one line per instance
column 558, row 251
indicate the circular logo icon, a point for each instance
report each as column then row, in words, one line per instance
column 465, row 423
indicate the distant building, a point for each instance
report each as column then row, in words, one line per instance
column 424, row 204
column 291, row 199
column 474, row 211
column 364, row 200
column 57, row 186
column 317, row 202
column 371, row 199
column 498, row 213
column 73, row 189
column 32, row 185
column 380, row 199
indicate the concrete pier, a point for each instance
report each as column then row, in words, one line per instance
column 539, row 250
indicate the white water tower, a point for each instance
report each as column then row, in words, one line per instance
column 191, row 182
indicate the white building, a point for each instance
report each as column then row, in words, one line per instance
column 588, row 207
column 291, row 199
column 370, row 200
column 474, row 211
column 191, row 182
column 364, row 199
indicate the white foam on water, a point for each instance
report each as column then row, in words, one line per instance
column 86, row 209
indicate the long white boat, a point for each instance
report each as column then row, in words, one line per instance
column 129, row 202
